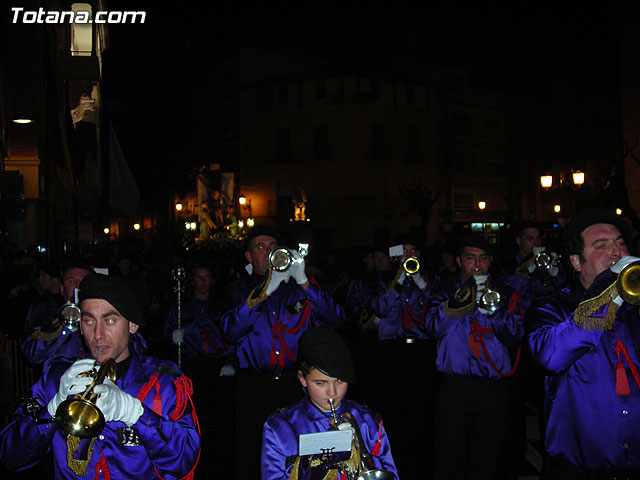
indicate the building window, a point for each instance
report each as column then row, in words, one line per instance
column 321, row 90
column 413, row 143
column 321, row 142
column 411, row 94
column 460, row 120
column 81, row 33
column 283, row 94
column 463, row 201
column 377, row 141
column 265, row 100
column 283, row 145
column 375, row 89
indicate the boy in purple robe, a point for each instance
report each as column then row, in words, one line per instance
column 325, row 370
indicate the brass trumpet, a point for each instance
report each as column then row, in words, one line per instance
column 489, row 299
column 411, row 265
column 79, row 416
column 628, row 283
column 70, row 312
column 545, row 261
column 366, row 467
column 281, row 258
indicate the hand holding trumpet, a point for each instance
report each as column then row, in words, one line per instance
column 73, row 381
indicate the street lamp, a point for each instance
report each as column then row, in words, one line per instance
column 179, row 207
column 618, row 211
column 136, row 226
column 482, row 205
column 557, row 208
column 546, row 181
column 578, row 178
column 244, row 202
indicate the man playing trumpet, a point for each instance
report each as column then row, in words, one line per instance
column 586, row 339
column 149, row 420
column 267, row 312
column 476, row 326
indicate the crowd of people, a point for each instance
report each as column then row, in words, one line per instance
column 244, row 376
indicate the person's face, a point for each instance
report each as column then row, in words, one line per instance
column 202, row 281
column 71, row 280
column 106, row 332
column 321, row 388
column 124, row 265
column 603, row 246
column 382, row 261
column 47, row 283
column 410, row 251
column 258, row 254
column 368, row 262
column 530, row 238
column 473, row 261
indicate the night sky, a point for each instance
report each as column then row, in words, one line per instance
column 163, row 79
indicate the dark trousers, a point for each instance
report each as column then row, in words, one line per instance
column 214, row 400
column 407, row 382
column 258, row 395
column 554, row 470
column 472, row 415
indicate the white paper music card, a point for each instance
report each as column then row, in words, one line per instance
column 323, row 442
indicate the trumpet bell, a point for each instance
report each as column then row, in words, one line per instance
column 80, row 417
column 70, row 314
column 280, row 259
column 490, row 300
column 628, row 283
column 411, row 265
column 543, row 260
column 376, row 475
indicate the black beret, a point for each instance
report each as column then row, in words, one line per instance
column 114, row 290
column 263, row 230
column 592, row 216
column 474, row 240
column 327, row 351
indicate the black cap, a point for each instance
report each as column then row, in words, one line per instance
column 592, row 216
column 408, row 239
column 262, row 230
column 114, row 290
column 474, row 240
column 327, row 351
column 520, row 226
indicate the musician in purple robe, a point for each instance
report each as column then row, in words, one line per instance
column 325, row 371
column 150, row 424
column 586, row 339
column 477, row 326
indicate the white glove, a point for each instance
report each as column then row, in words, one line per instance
column 481, row 284
column 401, row 278
column 376, row 321
column 116, row 405
column 227, row 371
column 553, row 270
column 623, row 262
column 178, row 335
column 344, row 426
column 297, row 268
column 71, row 383
column 484, row 311
column 276, row 279
column 418, row 280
